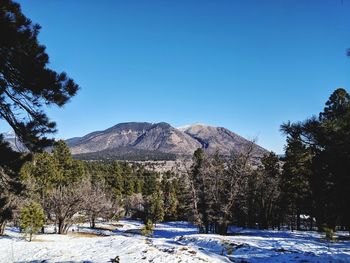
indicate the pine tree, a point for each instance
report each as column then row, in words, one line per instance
column 56, row 174
column 183, row 197
column 268, row 190
column 328, row 138
column 170, row 197
column 10, row 185
column 128, row 179
column 27, row 84
column 70, row 170
column 150, row 183
column 32, row 219
column 198, row 191
column 41, row 174
column 154, row 207
column 295, row 184
column 147, row 229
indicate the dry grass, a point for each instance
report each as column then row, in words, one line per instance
column 106, row 227
column 116, row 224
column 84, row 234
column 41, row 240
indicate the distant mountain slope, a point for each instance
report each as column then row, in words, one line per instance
column 159, row 137
column 126, row 153
column 13, row 141
column 150, row 141
column 138, row 138
column 120, row 135
column 219, row 138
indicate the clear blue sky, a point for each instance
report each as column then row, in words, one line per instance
column 244, row 65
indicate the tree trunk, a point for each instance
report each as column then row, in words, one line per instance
column 298, row 220
column 222, row 229
column 61, row 226
column 206, row 228
column 2, row 227
column 92, row 222
column 65, row 228
column 311, row 222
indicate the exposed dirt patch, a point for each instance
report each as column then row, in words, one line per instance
column 84, row 234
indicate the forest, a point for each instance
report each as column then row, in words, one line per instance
column 306, row 189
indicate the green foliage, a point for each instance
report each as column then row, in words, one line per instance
column 41, row 174
column 47, row 171
column 57, row 174
column 169, row 196
column 151, row 183
column 295, row 184
column 27, row 83
column 266, row 194
column 154, row 207
column 327, row 139
column 147, row 229
column 70, row 170
column 126, row 153
column 10, row 186
column 329, row 233
column 32, row 219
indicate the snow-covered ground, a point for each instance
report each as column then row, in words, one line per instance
column 172, row 242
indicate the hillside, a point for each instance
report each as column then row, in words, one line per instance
column 151, row 141
column 146, row 140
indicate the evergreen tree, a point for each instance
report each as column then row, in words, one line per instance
column 26, row 82
column 328, row 138
column 128, row 178
column 10, row 185
column 170, row 197
column 295, row 184
column 219, row 188
column 183, row 197
column 154, row 207
column 147, row 230
column 198, row 191
column 32, row 219
column 268, row 190
column 150, row 183
column 70, row 170
column 56, row 181
column 41, row 174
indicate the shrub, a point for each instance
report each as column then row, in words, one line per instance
column 32, row 219
column 147, row 230
column 329, row 233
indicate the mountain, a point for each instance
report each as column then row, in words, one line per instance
column 159, row 137
column 219, row 138
column 12, row 139
column 156, row 141
column 151, row 141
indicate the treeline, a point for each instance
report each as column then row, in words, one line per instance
column 309, row 187
column 306, row 189
column 317, row 165
column 126, row 153
column 71, row 191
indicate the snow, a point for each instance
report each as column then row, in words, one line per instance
column 171, row 242
column 187, row 126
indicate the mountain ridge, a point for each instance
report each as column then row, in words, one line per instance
column 146, row 141
column 161, row 137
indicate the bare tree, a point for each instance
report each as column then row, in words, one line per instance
column 134, row 204
column 218, row 185
column 65, row 201
column 99, row 204
column 9, row 199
